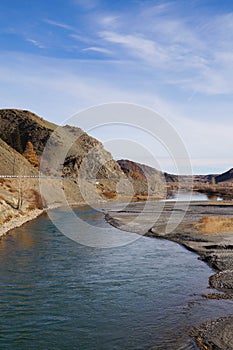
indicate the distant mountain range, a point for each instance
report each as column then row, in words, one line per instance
column 227, row 176
column 142, row 171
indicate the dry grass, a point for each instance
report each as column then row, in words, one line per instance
column 214, row 224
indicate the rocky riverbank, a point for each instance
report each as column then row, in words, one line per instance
column 214, row 247
column 19, row 220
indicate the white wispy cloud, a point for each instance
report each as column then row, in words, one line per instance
column 67, row 86
column 138, row 46
column 179, row 65
column 195, row 56
column 156, row 10
column 98, row 49
column 59, row 24
column 82, row 38
column 36, row 43
column 108, row 21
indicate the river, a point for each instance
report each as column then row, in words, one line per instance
column 58, row 294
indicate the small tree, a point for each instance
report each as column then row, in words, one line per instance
column 30, row 154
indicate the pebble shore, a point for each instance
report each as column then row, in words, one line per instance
column 19, row 221
column 215, row 249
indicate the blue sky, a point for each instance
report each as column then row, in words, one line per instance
column 61, row 56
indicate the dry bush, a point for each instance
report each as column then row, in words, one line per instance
column 109, row 194
column 214, row 224
column 31, row 207
column 36, row 199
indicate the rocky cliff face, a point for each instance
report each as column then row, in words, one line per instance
column 145, row 179
column 13, row 163
column 70, row 153
column 86, row 155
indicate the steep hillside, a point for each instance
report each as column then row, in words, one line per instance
column 19, row 128
column 13, row 163
column 70, row 153
column 145, row 179
column 227, row 176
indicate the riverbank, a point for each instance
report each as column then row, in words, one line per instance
column 216, row 249
column 19, row 220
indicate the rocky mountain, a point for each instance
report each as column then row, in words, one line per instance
column 213, row 184
column 72, row 153
column 17, row 127
column 29, row 144
column 227, row 176
column 13, row 163
column 69, row 153
column 145, row 179
column 22, row 129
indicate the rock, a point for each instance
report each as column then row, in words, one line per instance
column 215, row 335
column 222, row 280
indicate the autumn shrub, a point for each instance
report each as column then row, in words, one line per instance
column 31, row 207
column 109, row 194
column 38, row 202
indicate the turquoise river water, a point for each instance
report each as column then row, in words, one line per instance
column 57, row 294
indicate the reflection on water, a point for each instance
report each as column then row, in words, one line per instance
column 214, row 198
column 57, row 294
column 191, row 196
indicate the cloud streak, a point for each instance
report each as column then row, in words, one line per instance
column 196, row 56
column 172, row 57
column 98, row 49
column 35, row 43
column 59, row 24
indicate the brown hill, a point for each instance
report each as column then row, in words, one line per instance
column 227, row 176
column 212, row 184
column 13, row 163
column 70, row 152
column 146, row 180
column 84, row 158
column 18, row 127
